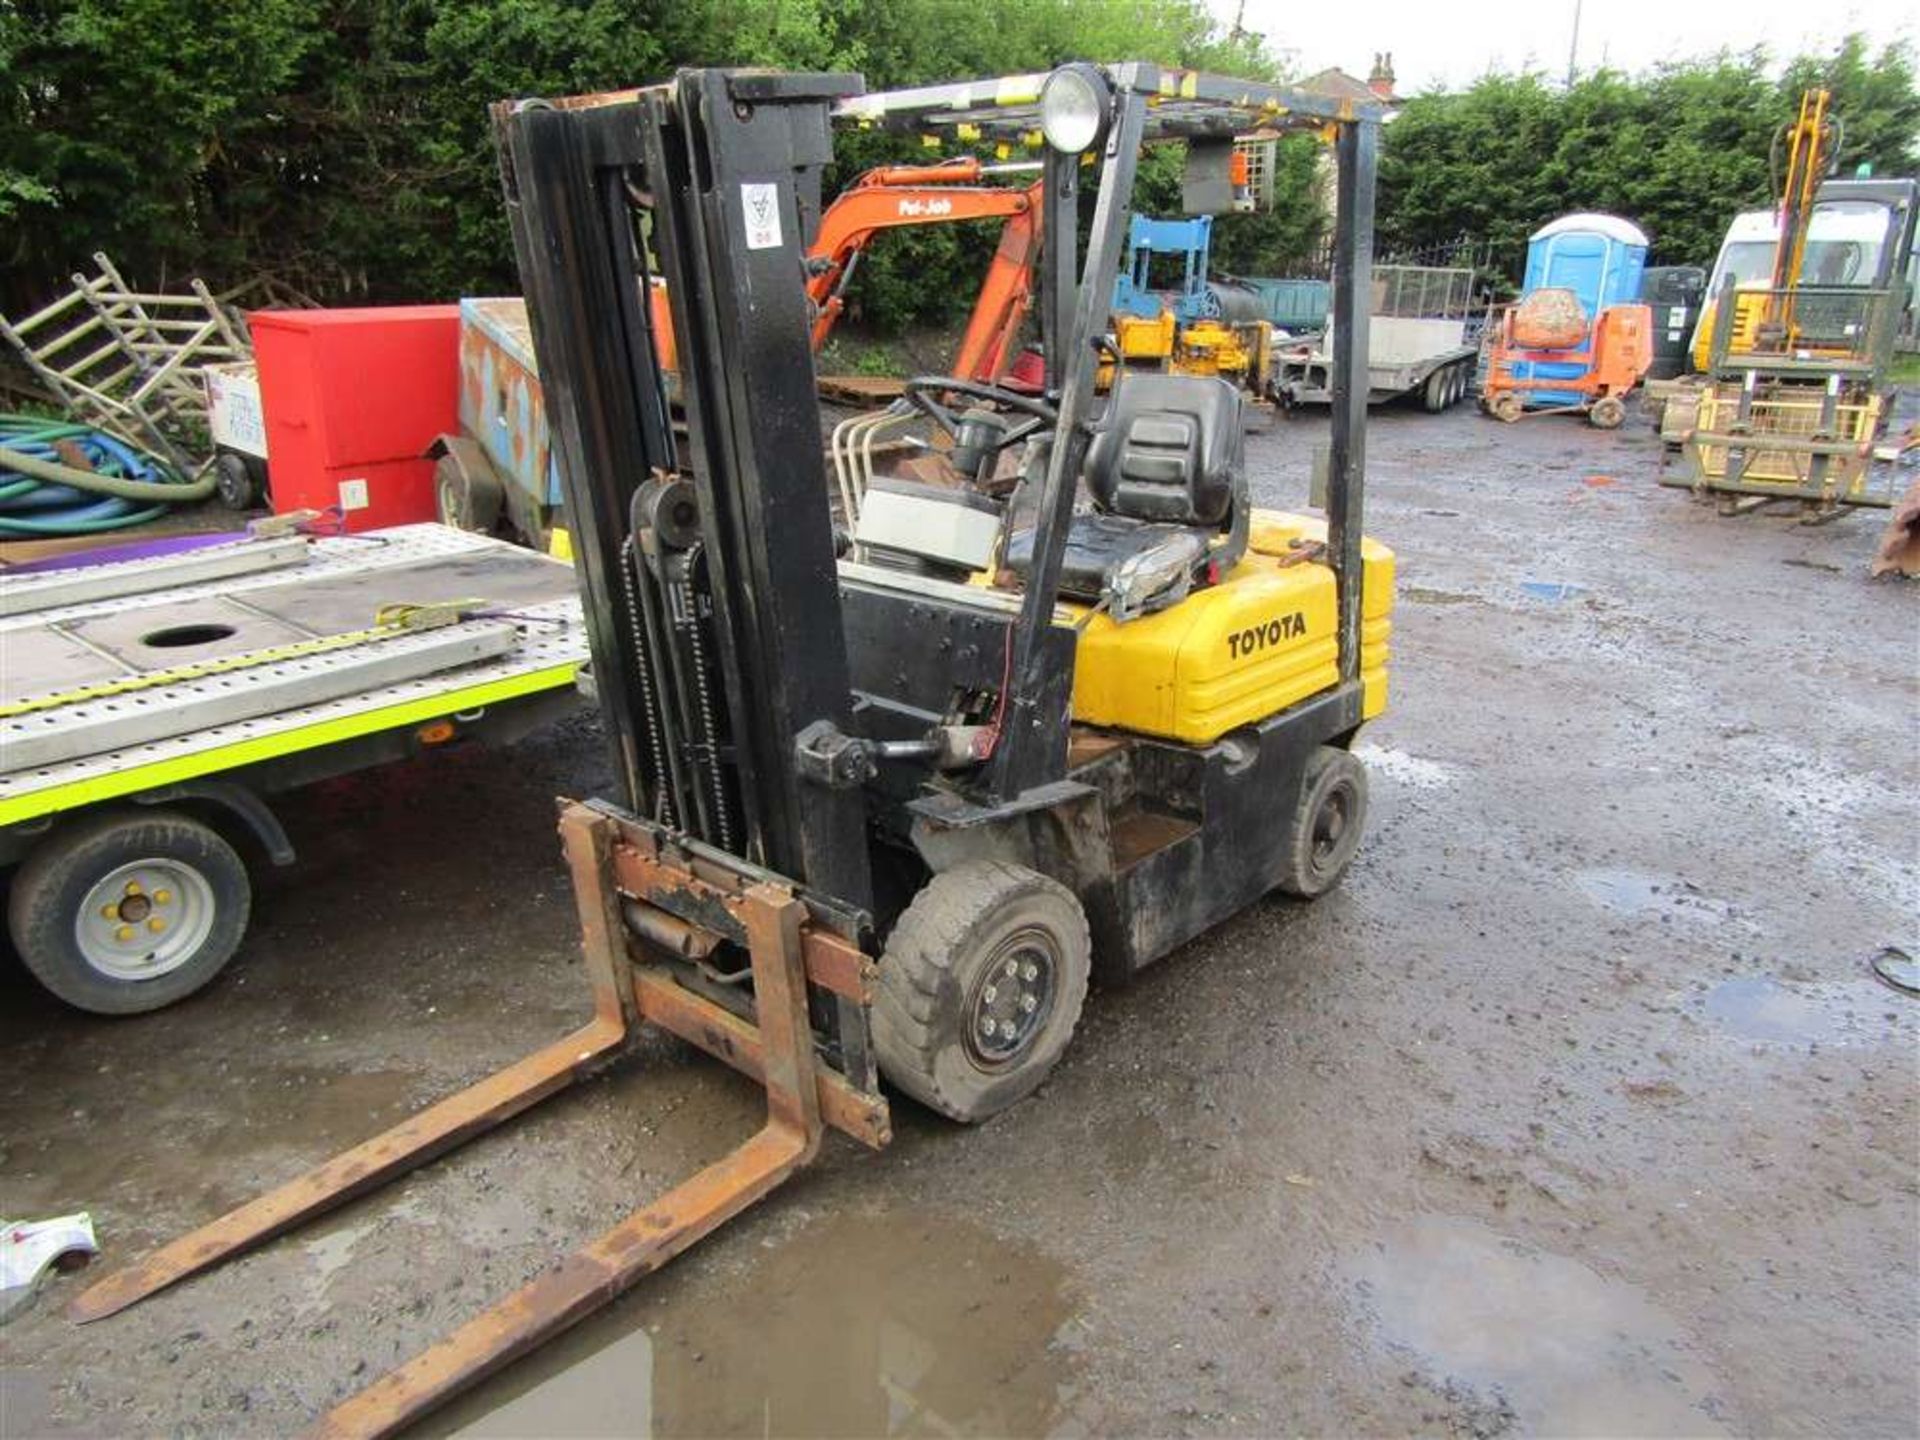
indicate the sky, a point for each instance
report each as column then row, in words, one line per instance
column 1439, row 46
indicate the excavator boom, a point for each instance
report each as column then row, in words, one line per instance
column 1809, row 144
column 898, row 196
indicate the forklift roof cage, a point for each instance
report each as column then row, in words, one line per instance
column 715, row 620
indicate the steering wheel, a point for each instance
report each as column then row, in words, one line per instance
column 920, row 390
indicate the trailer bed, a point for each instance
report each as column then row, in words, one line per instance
column 117, row 686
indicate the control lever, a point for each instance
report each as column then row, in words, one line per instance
column 827, row 755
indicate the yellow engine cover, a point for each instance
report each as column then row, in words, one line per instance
column 1749, row 306
column 1262, row 639
column 1144, row 339
column 1206, row 347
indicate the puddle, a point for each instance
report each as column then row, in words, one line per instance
column 1571, row 1352
column 1629, row 892
column 850, row 1325
column 333, row 1250
column 1408, row 770
column 1757, row 1007
column 1554, row 590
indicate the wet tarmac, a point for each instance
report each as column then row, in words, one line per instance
column 941, row 1327
column 1575, row 1110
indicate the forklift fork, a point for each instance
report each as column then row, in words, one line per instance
column 615, row 863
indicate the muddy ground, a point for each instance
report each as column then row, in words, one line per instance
column 1575, row 1111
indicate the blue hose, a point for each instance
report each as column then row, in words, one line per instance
column 33, row 506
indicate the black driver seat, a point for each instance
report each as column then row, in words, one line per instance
column 1169, row 457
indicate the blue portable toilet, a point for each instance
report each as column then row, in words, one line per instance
column 1600, row 259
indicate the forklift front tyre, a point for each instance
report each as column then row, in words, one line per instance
column 126, row 911
column 981, row 987
column 466, row 501
column 1327, row 823
column 1506, row 407
column 1608, row 412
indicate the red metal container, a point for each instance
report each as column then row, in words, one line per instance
column 352, row 399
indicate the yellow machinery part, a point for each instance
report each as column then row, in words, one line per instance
column 1747, row 308
column 1143, row 339
column 1749, row 311
column 1261, row 640
column 1206, row 347
column 1791, row 413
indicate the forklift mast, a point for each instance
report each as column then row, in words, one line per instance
column 721, row 642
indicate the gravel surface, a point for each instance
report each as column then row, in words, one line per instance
column 1576, row 1110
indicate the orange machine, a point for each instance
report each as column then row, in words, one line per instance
column 1580, row 339
column 895, row 196
column 1601, row 369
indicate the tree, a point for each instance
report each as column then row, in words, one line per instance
column 1876, row 99
column 1678, row 150
column 344, row 145
column 114, row 112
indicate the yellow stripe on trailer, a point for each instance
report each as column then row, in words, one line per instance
column 203, row 669
column 253, row 750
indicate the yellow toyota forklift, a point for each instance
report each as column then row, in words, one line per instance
column 1045, row 699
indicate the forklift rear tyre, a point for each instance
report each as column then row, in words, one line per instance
column 464, row 501
column 1608, row 412
column 129, row 910
column 1327, row 823
column 980, row 988
column 1507, row 408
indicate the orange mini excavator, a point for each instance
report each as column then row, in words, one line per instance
column 895, row 196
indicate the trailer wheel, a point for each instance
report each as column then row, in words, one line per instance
column 466, row 501
column 980, row 988
column 233, row 481
column 1608, row 412
column 1438, row 393
column 1328, row 820
column 129, row 910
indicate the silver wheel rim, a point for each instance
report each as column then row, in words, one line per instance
column 145, row 919
column 1013, row 999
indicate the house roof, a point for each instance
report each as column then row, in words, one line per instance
column 1339, row 84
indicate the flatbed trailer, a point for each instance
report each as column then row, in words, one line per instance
column 1441, row 379
column 149, row 707
column 1419, row 343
